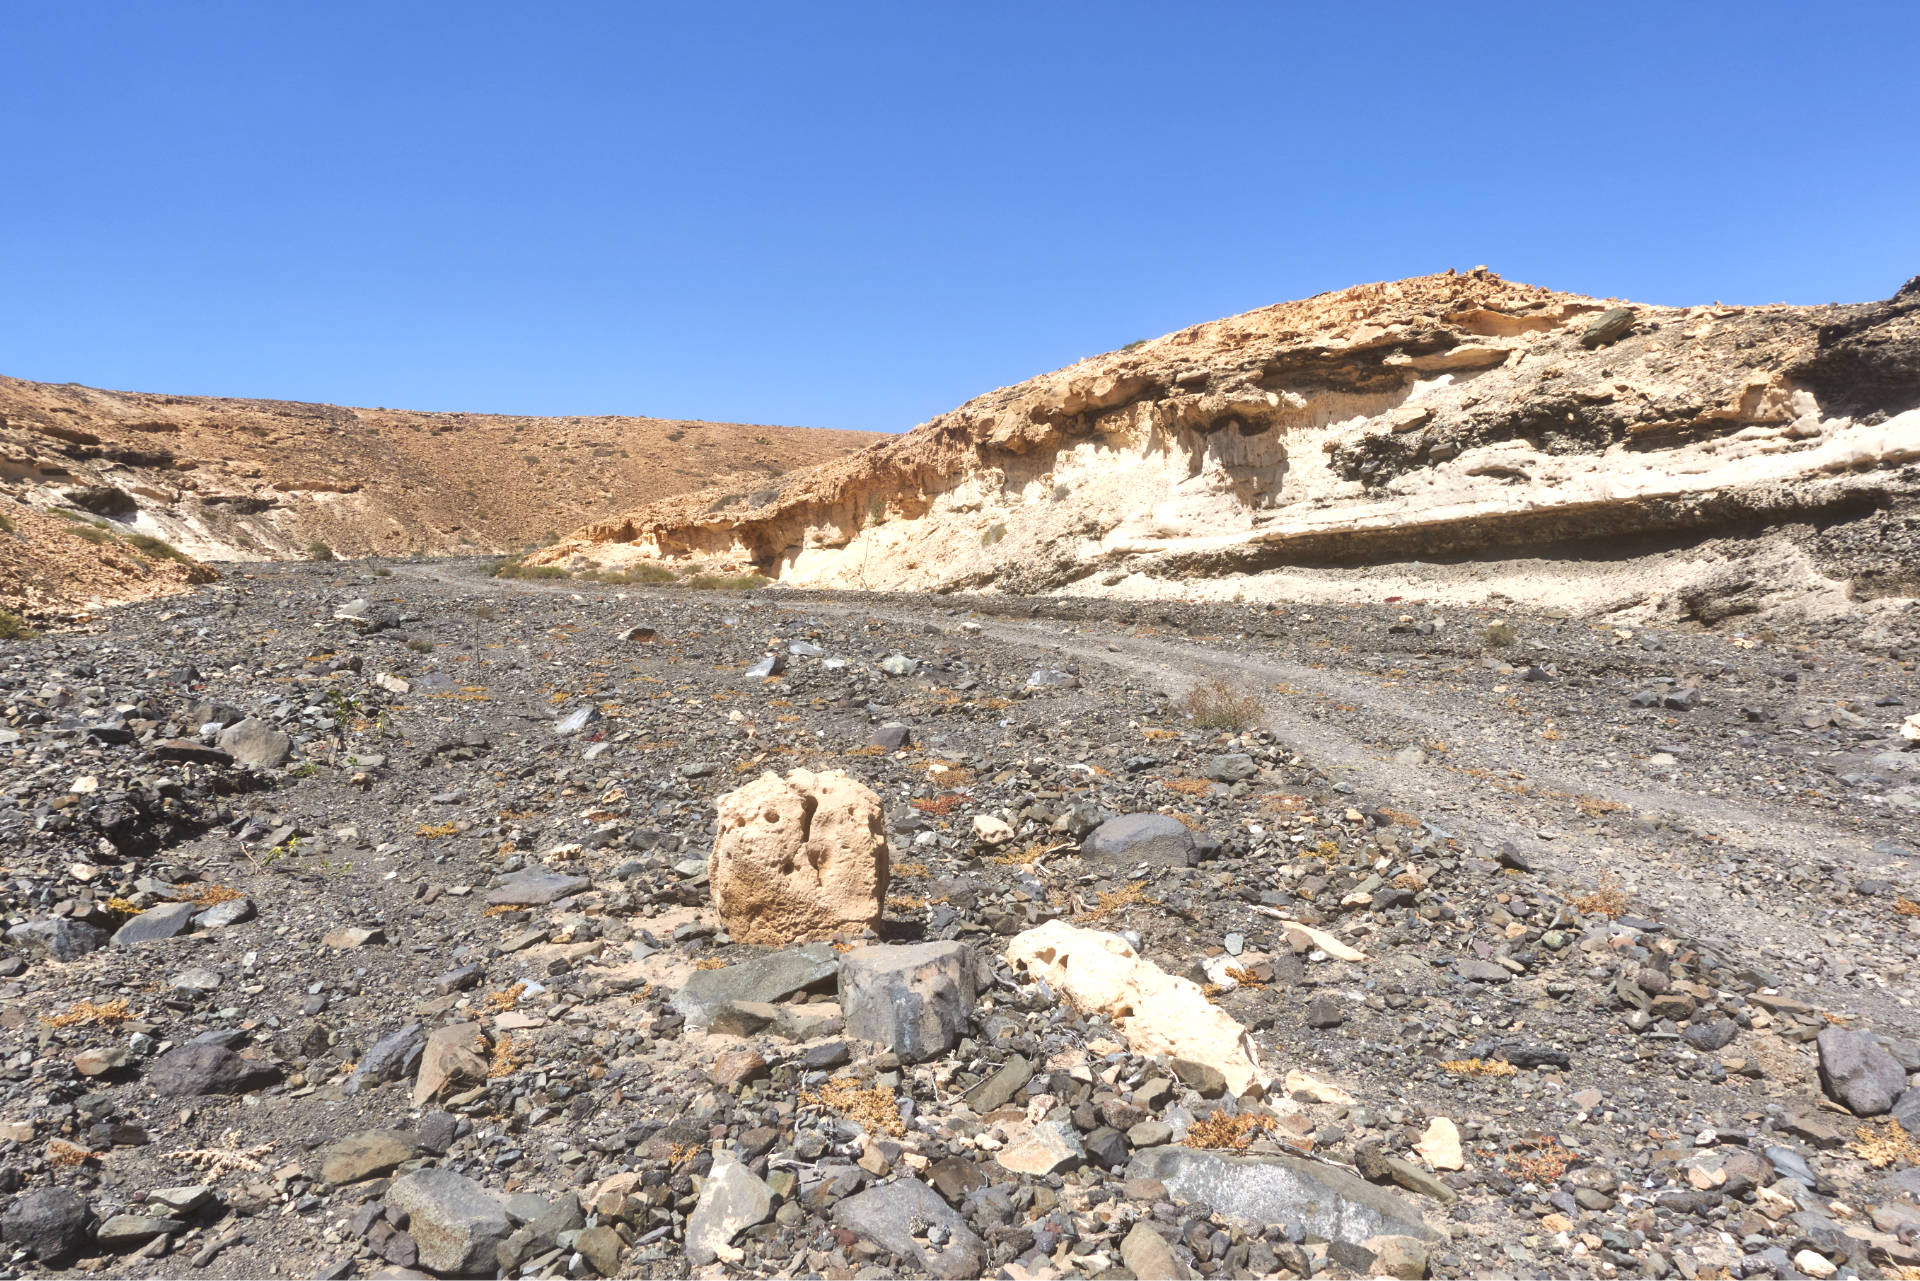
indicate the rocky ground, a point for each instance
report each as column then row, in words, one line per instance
column 358, row 924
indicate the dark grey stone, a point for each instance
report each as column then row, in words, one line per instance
column 891, row 737
column 772, row 977
column 456, row 1224
column 536, row 889
column 58, row 937
column 1906, row 1110
column 392, row 1057
column 999, row 1089
column 914, row 999
column 48, row 1223
column 168, row 921
column 205, row 1068
column 895, row 1216
column 1233, row 767
column 1138, row 838
column 1857, row 1071
column 1708, row 1035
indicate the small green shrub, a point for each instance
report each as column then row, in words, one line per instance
column 383, row 572
column 317, row 550
column 1215, row 704
column 725, row 582
column 640, row 575
column 92, row 534
column 513, row 567
column 159, row 548
column 6, row 524
column 992, row 534
column 676, row 435
column 419, row 646
column 14, row 628
column 1499, row 635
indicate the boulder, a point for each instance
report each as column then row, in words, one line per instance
column 58, row 938
column 1233, row 767
column 896, row 1217
column 1856, row 1070
column 1141, row 838
column 254, row 742
column 1157, row 1012
column 48, row 1223
column 913, row 999
column 457, row 1224
column 201, row 1067
column 1324, row 1200
column 799, row 858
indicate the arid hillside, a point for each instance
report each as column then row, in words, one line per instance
column 1454, row 435
column 225, row 480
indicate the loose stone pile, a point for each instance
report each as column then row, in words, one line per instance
column 362, row 924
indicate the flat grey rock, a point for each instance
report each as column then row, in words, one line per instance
column 170, row 920
column 772, row 977
column 1136, row 838
column 1323, row 1199
column 895, row 1216
column 536, row 889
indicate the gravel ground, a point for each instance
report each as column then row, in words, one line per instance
column 1619, row 896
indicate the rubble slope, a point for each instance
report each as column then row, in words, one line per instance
column 1445, row 416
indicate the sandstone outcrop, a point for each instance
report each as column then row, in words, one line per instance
column 800, row 858
column 1446, row 415
column 1157, row 1012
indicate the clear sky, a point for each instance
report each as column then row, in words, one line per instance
column 859, row 216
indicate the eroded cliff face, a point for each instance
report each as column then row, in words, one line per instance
column 1441, row 416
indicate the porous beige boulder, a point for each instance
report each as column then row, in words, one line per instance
column 1158, row 1013
column 799, row 858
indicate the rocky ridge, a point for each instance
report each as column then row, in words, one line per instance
column 358, row 922
column 239, row 480
column 1457, row 434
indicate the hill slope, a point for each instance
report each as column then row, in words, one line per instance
column 261, row 479
column 1399, row 424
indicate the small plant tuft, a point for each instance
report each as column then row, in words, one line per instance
column 1499, row 635
column 14, row 628
column 317, row 550
column 1217, row 704
column 725, row 582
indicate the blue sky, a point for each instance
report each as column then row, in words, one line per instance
column 859, row 216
